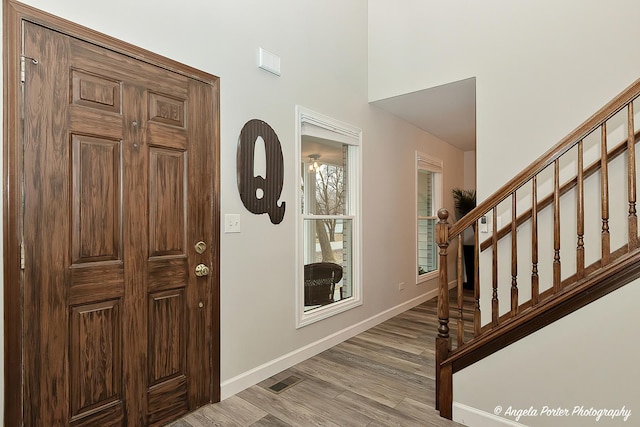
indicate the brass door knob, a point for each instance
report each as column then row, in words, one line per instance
column 202, row 270
column 201, row 247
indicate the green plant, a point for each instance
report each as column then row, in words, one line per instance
column 464, row 201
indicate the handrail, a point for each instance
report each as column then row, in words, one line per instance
column 614, row 268
column 579, row 133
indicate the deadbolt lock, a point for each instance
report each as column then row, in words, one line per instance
column 202, row 270
column 201, row 247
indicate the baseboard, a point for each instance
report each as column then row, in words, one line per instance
column 245, row 380
column 470, row 416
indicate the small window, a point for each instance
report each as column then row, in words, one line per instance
column 329, row 264
column 428, row 201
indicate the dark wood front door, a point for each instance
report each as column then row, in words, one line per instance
column 118, row 184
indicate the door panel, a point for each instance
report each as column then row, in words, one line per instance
column 95, row 91
column 118, row 188
column 167, row 219
column 96, row 200
column 96, row 352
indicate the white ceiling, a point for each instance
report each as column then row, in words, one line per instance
column 447, row 111
column 328, row 151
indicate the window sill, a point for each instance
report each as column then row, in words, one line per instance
column 426, row 277
column 323, row 312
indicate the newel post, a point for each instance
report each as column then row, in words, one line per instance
column 444, row 376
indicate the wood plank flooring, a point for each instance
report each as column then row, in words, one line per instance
column 381, row 377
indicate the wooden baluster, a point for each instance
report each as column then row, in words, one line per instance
column 580, row 213
column 514, row 256
column 556, row 226
column 442, row 340
column 494, row 270
column 631, row 153
column 459, row 264
column 604, row 194
column 460, row 293
column 476, row 281
column 535, row 279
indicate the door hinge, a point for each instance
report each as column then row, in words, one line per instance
column 23, row 70
column 22, row 256
column 23, row 66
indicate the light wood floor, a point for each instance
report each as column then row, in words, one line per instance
column 382, row 377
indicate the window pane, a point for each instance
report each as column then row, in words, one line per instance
column 425, row 193
column 329, row 241
column 427, row 247
column 324, row 177
column 427, row 200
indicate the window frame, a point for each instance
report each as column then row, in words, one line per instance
column 331, row 129
column 432, row 164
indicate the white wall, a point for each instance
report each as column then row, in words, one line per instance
column 549, row 367
column 469, row 170
column 541, row 69
column 323, row 47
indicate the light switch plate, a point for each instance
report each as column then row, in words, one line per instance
column 231, row 223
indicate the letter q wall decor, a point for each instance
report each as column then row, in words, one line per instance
column 260, row 194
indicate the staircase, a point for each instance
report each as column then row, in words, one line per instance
column 526, row 273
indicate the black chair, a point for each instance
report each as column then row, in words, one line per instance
column 320, row 281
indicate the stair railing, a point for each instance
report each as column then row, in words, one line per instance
column 524, row 317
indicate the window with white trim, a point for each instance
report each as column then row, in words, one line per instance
column 428, row 201
column 328, row 270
